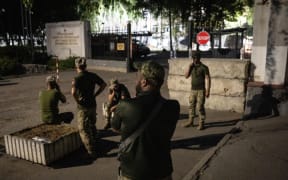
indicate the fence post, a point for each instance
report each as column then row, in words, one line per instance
column 129, row 48
column 57, row 67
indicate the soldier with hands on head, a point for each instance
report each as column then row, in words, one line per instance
column 116, row 92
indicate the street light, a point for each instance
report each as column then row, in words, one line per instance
column 190, row 35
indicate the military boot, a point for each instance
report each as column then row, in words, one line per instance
column 200, row 126
column 187, row 124
column 107, row 124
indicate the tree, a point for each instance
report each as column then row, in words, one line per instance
column 10, row 19
column 206, row 13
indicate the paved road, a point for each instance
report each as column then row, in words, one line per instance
column 19, row 109
column 260, row 151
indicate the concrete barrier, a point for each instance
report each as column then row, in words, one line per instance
column 219, row 86
column 228, row 83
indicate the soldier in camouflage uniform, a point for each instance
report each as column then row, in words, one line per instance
column 150, row 156
column 83, row 91
column 116, row 92
column 200, row 88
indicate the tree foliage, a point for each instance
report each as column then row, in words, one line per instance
column 87, row 9
column 43, row 11
column 205, row 12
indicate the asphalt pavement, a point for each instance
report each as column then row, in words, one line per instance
column 259, row 151
column 228, row 148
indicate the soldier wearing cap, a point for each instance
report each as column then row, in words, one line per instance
column 149, row 157
column 200, row 88
column 83, row 91
column 116, row 92
column 49, row 99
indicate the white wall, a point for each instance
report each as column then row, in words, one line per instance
column 270, row 46
column 66, row 39
column 260, row 36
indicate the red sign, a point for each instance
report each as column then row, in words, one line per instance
column 203, row 37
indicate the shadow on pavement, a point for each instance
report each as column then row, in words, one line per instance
column 81, row 158
column 107, row 148
column 76, row 158
column 2, row 150
column 7, row 83
column 198, row 143
column 221, row 123
column 183, row 116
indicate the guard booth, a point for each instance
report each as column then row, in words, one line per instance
column 114, row 44
column 227, row 43
column 224, row 43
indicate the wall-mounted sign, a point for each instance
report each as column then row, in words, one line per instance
column 120, row 46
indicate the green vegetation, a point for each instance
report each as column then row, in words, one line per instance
column 12, row 58
column 20, row 20
column 52, row 11
column 65, row 64
column 23, row 55
column 10, row 67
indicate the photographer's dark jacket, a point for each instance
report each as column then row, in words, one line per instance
column 150, row 155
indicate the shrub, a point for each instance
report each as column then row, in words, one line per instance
column 41, row 58
column 20, row 54
column 10, row 67
column 68, row 63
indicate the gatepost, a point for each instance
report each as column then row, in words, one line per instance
column 129, row 48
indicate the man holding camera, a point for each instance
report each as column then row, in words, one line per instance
column 149, row 156
column 117, row 91
column 49, row 99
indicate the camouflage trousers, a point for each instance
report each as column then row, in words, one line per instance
column 107, row 114
column 197, row 101
column 106, row 111
column 87, row 128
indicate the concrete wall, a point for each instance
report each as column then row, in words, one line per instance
column 260, row 37
column 277, row 44
column 228, row 78
column 270, row 46
column 267, row 93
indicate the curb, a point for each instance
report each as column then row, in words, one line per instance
column 194, row 173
